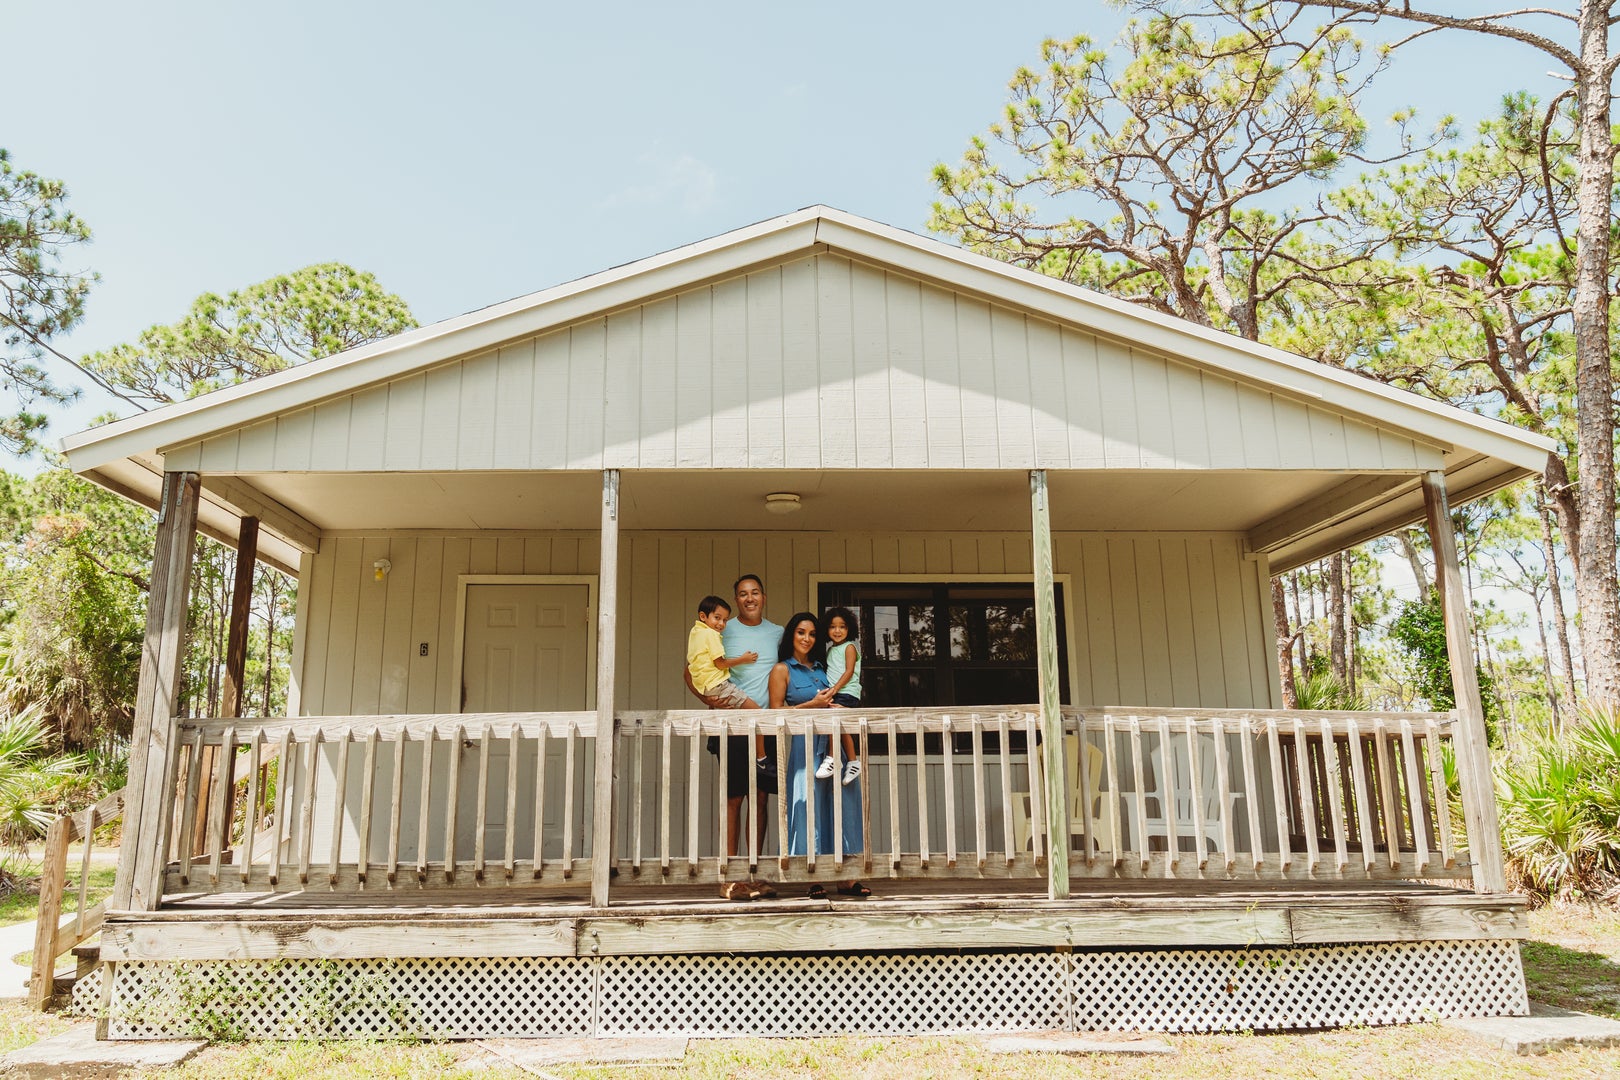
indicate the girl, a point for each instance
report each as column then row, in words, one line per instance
column 841, row 632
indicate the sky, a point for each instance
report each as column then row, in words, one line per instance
column 469, row 153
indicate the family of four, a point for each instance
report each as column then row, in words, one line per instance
column 749, row 662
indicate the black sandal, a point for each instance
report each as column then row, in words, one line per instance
column 817, row 891
column 854, row 888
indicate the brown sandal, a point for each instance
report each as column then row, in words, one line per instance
column 736, row 890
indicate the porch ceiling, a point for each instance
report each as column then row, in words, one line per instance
column 854, row 501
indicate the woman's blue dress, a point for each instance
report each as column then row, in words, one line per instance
column 803, row 684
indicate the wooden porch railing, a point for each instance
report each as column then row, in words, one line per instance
column 379, row 802
column 509, row 800
column 52, row 935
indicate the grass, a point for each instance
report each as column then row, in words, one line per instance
column 24, row 906
column 1573, row 960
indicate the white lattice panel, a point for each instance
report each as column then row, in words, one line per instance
column 86, row 999
column 888, row 993
column 349, row 999
column 1277, row 989
column 797, row 995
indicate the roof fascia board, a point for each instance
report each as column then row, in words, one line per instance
column 308, row 384
column 1307, row 380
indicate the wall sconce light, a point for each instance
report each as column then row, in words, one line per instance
column 782, row 502
column 380, row 568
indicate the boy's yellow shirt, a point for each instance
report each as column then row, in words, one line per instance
column 703, row 647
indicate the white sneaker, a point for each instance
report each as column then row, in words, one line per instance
column 852, row 772
column 827, row 767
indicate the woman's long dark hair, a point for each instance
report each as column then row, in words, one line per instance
column 784, row 651
column 823, row 628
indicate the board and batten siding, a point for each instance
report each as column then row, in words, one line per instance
column 821, row 362
column 1153, row 619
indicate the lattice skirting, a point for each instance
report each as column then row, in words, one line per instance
column 823, row 994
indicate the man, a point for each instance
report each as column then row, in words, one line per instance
column 749, row 632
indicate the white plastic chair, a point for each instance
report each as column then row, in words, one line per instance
column 1102, row 803
column 1176, row 804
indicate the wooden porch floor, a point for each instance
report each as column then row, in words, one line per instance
column 911, row 916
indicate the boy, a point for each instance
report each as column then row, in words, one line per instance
column 706, row 658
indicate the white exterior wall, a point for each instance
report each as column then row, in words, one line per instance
column 823, row 362
column 1171, row 619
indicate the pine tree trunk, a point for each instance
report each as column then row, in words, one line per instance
column 1336, row 656
column 1596, row 588
column 1409, row 548
column 1285, row 645
column 1555, row 591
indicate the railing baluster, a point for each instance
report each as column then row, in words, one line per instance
column 664, row 797
column 753, row 798
column 894, row 799
column 834, row 745
column 721, row 816
column 396, row 807
column 570, row 749
column 812, row 835
column 1167, row 796
column 188, row 812
column 1251, row 792
column 1414, row 797
column 783, row 790
column 1110, row 762
column 1223, row 794
column 1004, row 753
column 219, row 821
column 948, row 746
column 279, row 824
column 424, row 820
column 922, row 799
column 1087, row 796
column 980, row 827
column 452, row 801
column 1330, row 764
column 340, row 786
column 1285, row 847
column 636, row 801
column 1195, row 786
column 1358, row 777
column 866, row 800
column 514, row 743
column 1141, row 789
column 368, row 795
column 1390, row 788
column 306, row 816
column 540, row 800
column 1437, row 778
column 251, row 820
column 481, row 812
column 1034, row 767
column 1307, row 794
column 694, row 743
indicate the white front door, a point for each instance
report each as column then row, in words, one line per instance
column 526, row 649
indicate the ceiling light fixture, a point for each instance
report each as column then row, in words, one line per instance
column 782, row 502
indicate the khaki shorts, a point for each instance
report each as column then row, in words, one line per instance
column 725, row 695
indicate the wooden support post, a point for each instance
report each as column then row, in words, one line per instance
column 1046, row 650
column 247, row 556
column 142, row 856
column 1473, row 751
column 52, row 879
column 607, row 609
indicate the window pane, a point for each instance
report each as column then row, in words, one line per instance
column 885, row 622
column 1011, row 630
column 922, row 631
column 961, row 638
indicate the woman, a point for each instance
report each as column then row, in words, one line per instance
column 800, row 682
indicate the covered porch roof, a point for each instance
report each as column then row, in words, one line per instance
column 874, row 372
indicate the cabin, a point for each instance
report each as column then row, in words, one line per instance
column 492, row 811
